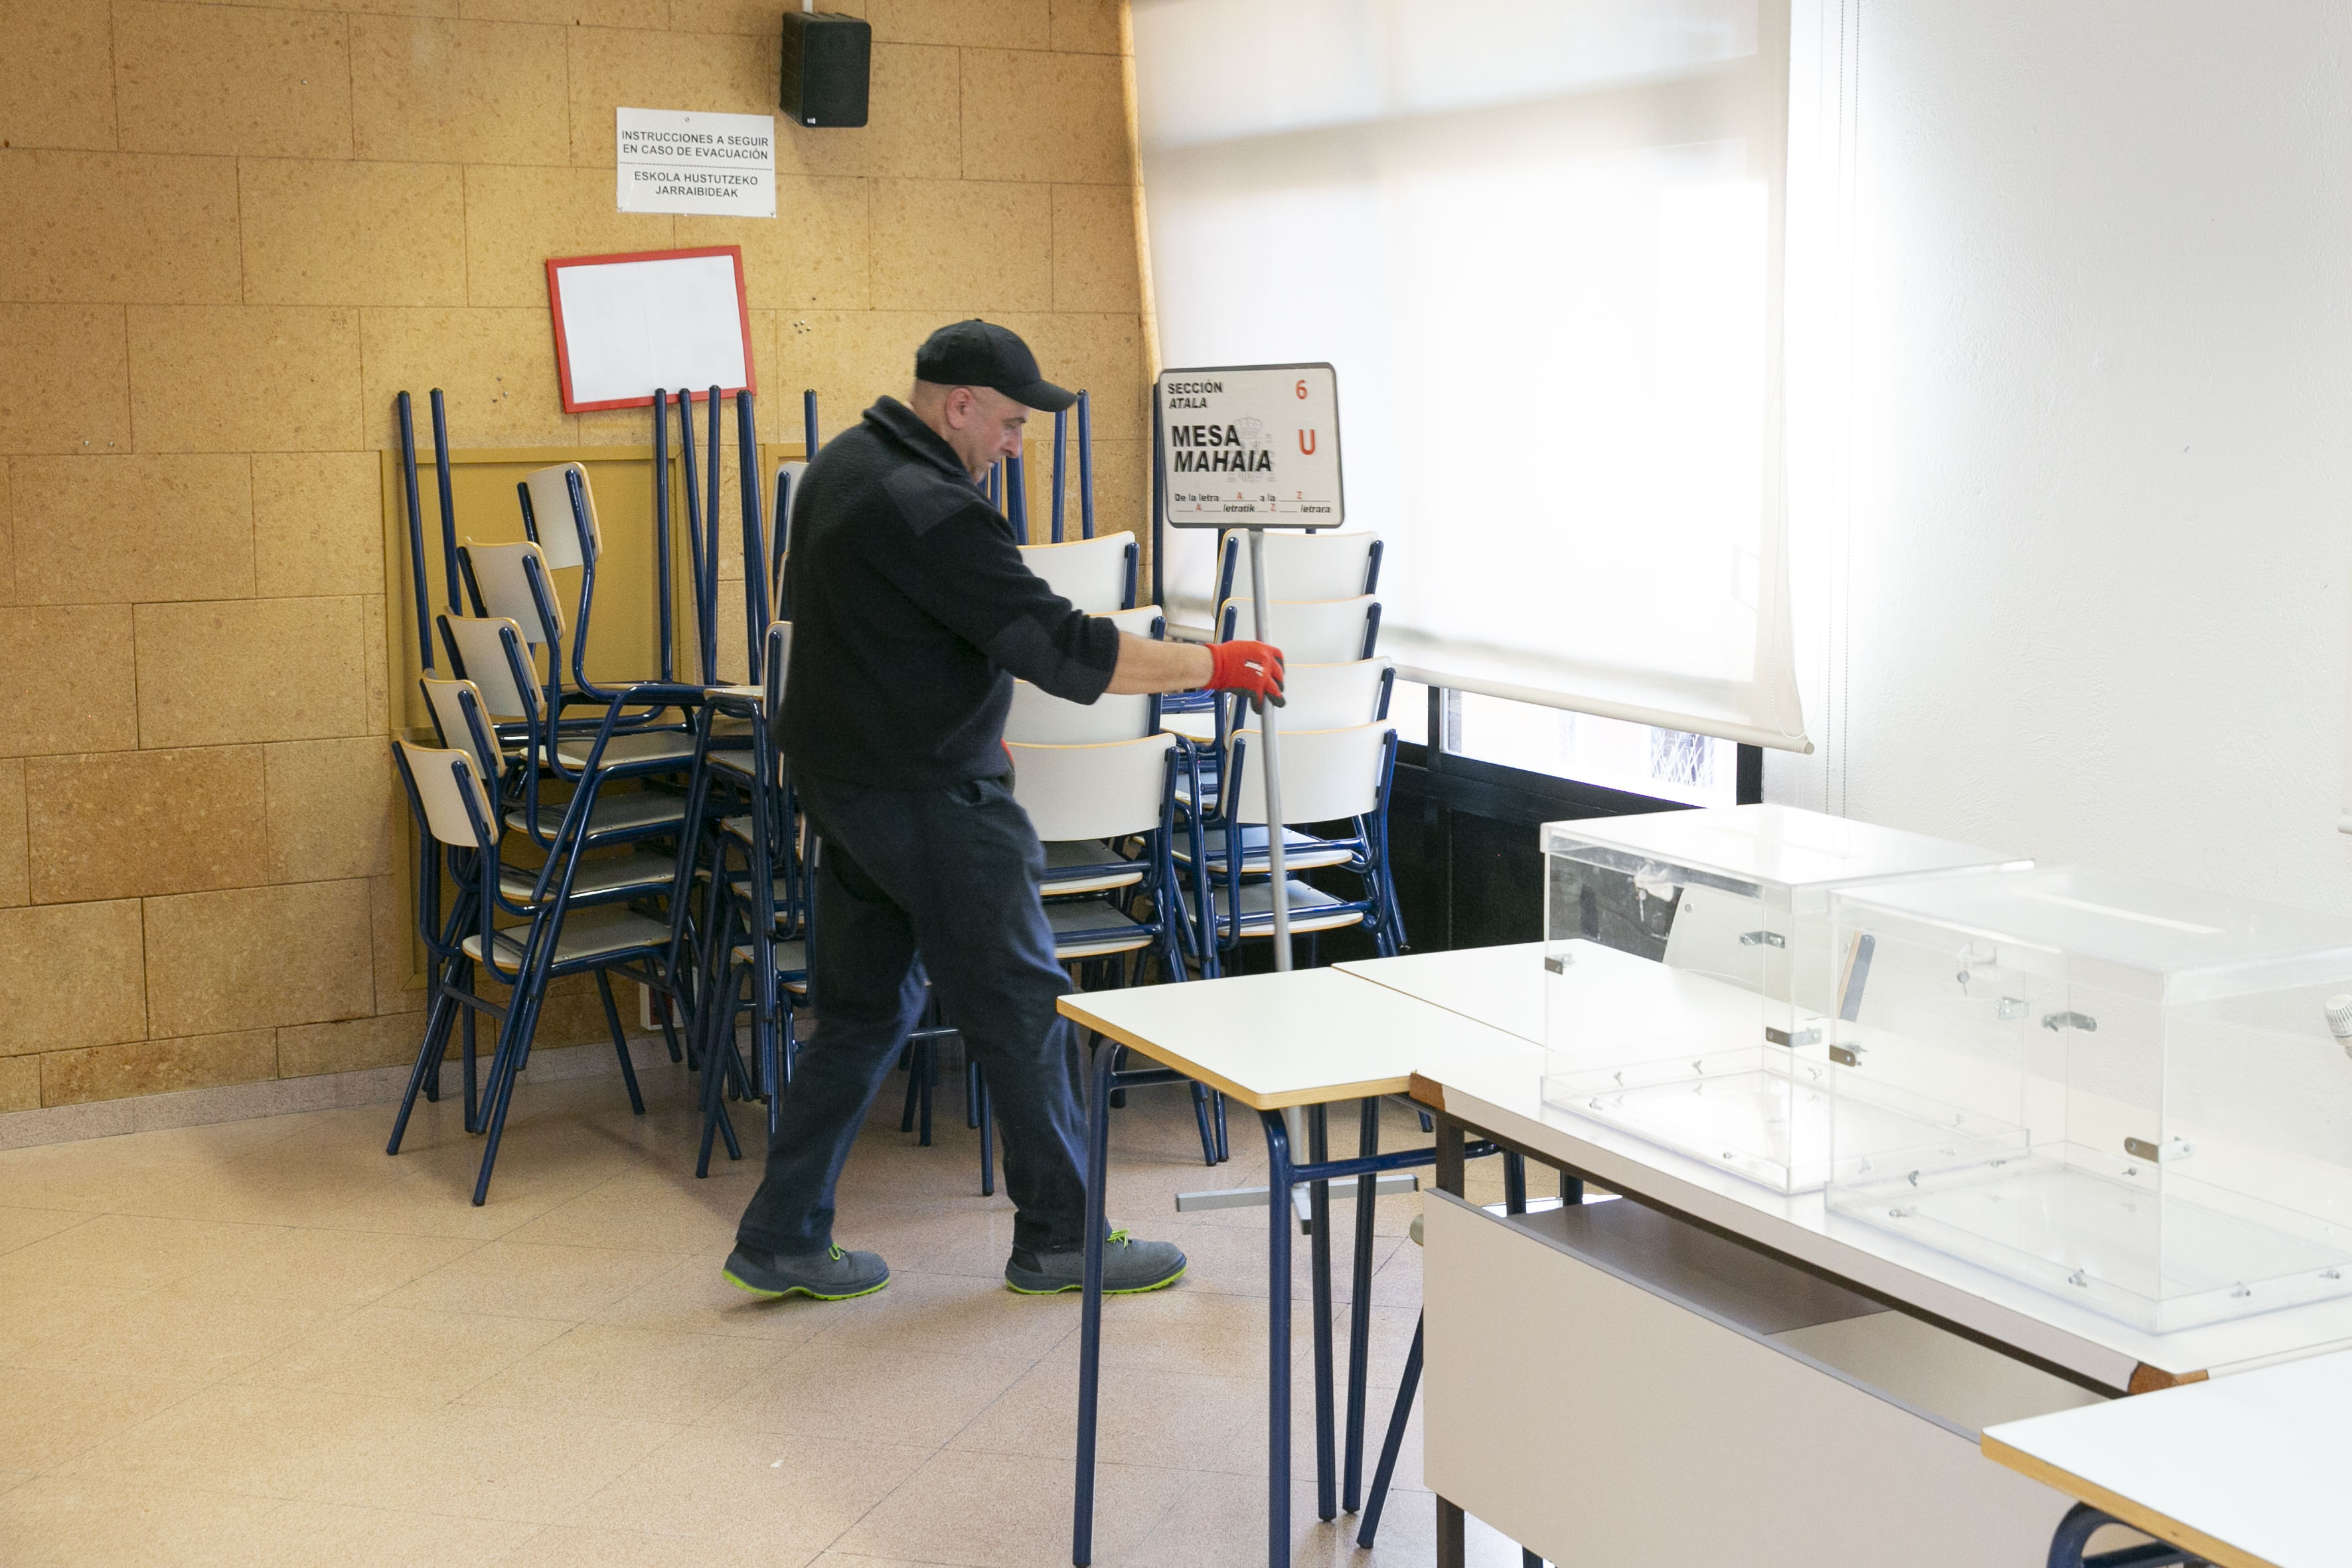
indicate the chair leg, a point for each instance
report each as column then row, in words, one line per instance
column 970, row 1092
column 911, row 1061
column 926, row 1074
column 620, row 1042
column 473, row 1102
column 1399, row 1419
column 429, row 1053
column 1200, row 1115
column 1225, row 1148
column 506, row 1065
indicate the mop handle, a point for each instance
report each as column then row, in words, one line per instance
column 1272, row 766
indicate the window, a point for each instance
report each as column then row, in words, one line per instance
column 1541, row 244
column 1666, row 764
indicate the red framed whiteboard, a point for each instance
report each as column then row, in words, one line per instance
column 627, row 324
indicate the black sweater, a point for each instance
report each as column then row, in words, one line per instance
column 911, row 612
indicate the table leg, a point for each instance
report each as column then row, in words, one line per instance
column 1277, row 1334
column 2070, row 1547
column 1453, row 1535
column 1360, row 1306
column 1082, row 1525
column 1327, row 1504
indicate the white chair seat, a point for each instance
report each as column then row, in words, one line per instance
column 1301, row 851
column 587, row 933
column 1091, row 928
column 1311, row 909
column 1194, row 724
column 654, row 746
column 792, row 963
column 643, row 874
column 1087, row 866
column 612, row 814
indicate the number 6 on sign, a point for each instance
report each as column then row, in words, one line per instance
column 1222, row 460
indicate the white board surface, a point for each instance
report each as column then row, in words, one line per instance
column 627, row 324
column 1249, row 446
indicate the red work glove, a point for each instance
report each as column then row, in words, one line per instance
column 1252, row 666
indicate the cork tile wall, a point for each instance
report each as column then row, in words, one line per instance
column 228, row 234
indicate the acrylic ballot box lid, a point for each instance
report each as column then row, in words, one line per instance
column 2158, row 940
column 2142, row 1089
column 1747, row 848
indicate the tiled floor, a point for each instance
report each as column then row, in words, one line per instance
column 265, row 1342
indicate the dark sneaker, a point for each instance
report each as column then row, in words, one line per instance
column 1130, row 1267
column 831, row 1275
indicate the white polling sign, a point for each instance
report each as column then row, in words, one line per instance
column 673, row 160
column 1249, row 446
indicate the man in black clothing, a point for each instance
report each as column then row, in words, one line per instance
column 912, row 612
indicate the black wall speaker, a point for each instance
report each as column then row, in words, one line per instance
column 827, row 57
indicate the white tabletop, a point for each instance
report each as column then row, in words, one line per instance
column 1499, row 986
column 2248, row 1471
column 1308, row 1037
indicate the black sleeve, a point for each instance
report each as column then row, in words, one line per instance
column 964, row 569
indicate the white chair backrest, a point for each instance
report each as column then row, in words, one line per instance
column 506, row 691
column 1325, row 774
column 1313, row 631
column 1325, row 696
column 780, row 663
column 1038, row 717
column 501, row 573
column 1089, row 572
column 448, row 701
column 1092, row 792
column 559, row 527
column 444, row 780
column 1138, row 620
column 1303, row 565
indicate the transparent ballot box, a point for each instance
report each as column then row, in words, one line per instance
column 2146, row 1088
column 1689, row 968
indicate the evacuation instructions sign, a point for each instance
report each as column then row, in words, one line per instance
column 675, row 162
column 1249, row 446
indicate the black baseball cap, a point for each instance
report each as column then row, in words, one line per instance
column 982, row 354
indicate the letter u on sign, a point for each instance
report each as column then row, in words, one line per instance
column 1306, row 442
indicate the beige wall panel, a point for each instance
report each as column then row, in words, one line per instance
column 978, row 24
column 572, row 13
column 318, row 524
column 714, row 73
column 47, row 347
column 634, row 427
column 812, row 253
column 56, row 76
column 516, row 219
column 262, row 670
column 20, row 1083
column 1099, row 355
column 8, row 537
column 14, row 884
column 331, row 806
column 375, row 665
column 257, row 957
column 137, row 227
column 352, row 234
column 458, row 92
column 498, row 368
column 70, row 975
column 124, row 529
column 70, row 684
column 392, row 930
column 351, row 1046
column 1093, row 249
column 1060, row 118
column 245, row 378
column 751, row 18
column 912, row 131
column 961, row 247
column 851, row 357
column 157, row 1067
column 1089, row 27
column 119, row 825
column 232, row 78
column 1123, row 496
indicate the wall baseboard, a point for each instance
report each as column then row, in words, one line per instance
column 290, row 1096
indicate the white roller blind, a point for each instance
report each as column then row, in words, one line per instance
column 1541, row 240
